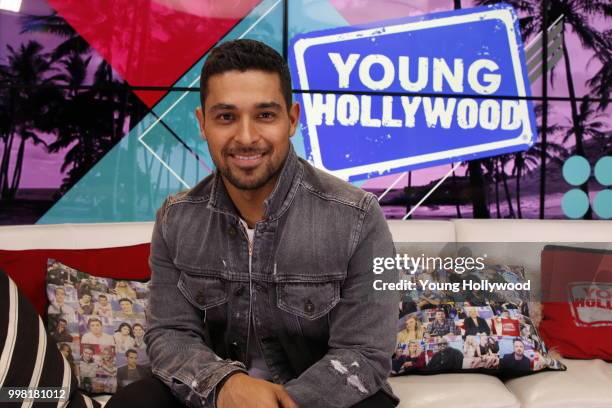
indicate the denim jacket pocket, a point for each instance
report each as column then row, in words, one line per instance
column 203, row 292
column 309, row 300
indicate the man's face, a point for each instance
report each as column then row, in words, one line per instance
column 138, row 331
column 440, row 316
column 86, row 299
column 61, row 325
column 247, row 126
column 95, row 327
column 87, row 355
column 132, row 359
column 60, row 296
column 126, row 307
column 519, row 348
column 103, row 301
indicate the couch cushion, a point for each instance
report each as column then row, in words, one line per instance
column 73, row 236
column 479, row 230
column 81, row 313
column 577, row 301
column 452, row 390
column 29, row 267
column 585, row 384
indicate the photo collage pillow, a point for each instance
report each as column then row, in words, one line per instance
column 99, row 326
column 445, row 330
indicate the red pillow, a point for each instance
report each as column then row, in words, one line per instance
column 577, row 301
column 28, row 268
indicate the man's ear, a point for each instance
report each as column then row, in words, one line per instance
column 294, row 118
column 200, row 117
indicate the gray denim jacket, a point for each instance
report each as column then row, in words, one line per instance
column 322, row 329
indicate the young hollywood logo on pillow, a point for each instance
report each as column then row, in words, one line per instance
column 485, row 331
column 99, row 326
column 591, row 303
column 577, row 301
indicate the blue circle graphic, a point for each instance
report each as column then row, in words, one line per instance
column 576, row 170
column 603, row 171
column 602, row 205
column 575, row 203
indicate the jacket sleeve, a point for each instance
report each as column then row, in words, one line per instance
column 176, row 330
column 362, row 326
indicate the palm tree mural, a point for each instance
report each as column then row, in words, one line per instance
column 577, row 17
column 89, row 121
column 601, row 83
column 26, row 111
column 589, row 123
column 529, row 160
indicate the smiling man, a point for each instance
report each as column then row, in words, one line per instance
column 261, row 288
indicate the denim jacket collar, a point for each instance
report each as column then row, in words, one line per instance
column 277, row 202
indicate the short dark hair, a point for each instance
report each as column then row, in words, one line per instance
column 242, row 55
column 125, row 300
column 130, row 351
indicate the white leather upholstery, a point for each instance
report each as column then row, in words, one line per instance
column 506, row 230
column 74, row 236
column 452, row 391
column 586, row 384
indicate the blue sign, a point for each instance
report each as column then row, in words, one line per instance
column 450, row 64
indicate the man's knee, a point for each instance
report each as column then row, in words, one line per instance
column 378, row 400
column 146, row 393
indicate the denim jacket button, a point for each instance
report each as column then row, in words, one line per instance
column 309, row 307
column 232, row 231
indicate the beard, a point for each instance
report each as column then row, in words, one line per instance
column 244, row 179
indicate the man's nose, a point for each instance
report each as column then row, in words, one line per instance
column 247, row 133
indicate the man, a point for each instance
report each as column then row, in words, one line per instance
column 88, row 366
column 132, row 371
column 127, row 310
column 59, row 306
column 516, row 361
column 103, row 307
column 261, row 292
column 446, row 358
column 60, row 334
column 441, row 326
column 96, row 335
column 86, row 307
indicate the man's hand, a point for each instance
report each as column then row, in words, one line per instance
column 240, row 390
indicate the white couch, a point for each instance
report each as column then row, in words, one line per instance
column 586, row 383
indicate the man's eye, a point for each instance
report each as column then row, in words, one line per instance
column 267, row 115
column 226, row 117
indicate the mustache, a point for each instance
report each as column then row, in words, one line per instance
column 245, row 151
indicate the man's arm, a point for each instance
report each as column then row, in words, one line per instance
column 362, row 326
column 175, row 335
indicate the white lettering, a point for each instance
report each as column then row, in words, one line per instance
column 491, row 81
column 365, row 68
column 344, row 68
